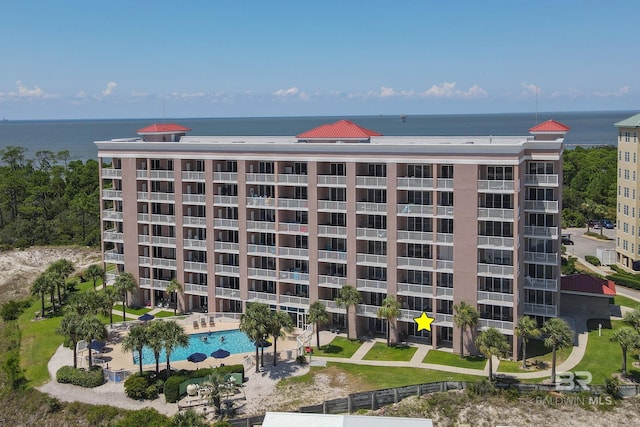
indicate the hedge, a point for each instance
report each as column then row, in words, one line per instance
column 81, row 377
column 593, row 260
column 625, row 280
column 172, row 385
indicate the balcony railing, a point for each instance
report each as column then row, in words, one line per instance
column 225, row 177
column 370, row 207
column 225, row 223
column 332, row 307
column 445, row 183
column 541, row 180
column 163, row 175
column 164, row 263
column 330, row 205
column 143, row 238
column 407, row 315
column 444, row 238
column 293, row 203
column 261, row 226
column 194, row 199
column 161, row 197
column 415, row 236
column 371, row 233
column 367, row 310
column 371, row 181
column 294, row 300
column 225, row 200
column 495, row 242
column 227, row 293
column 444, row 264
column 408, row 209
column 112, row 194
column 112, row 236
column 192, row 288
column 444, row 319
column 332, row 256
column 163, row 241
column 332, row 180
column 495, row 213
column 535, row 231
column 541, row 258
column 163, row 219
column 421, row 263
column 444, row 292
column 262, row 297
column 193, row 176
column 112, row 215
column 144, row 261
column 544, row 284
column 446, row 211
column 226, row 247
column 289, row 178
column 260, row 178
column 331, row 230
column 371, row 285
column 541, row 206
column 194, row 244
column 294, row 276
column 497, row 270
column 495, row 297
column 331, row 281
column 110, row 256
column 263, row 202
column 405, row 183
column 286, row 252
column 495, row 185
column 413, row 289
column 292, row 227
column 541, row 310
column 253, row 249
column 372, row 259
column 197, row 221
column 501, row 325
column 228, row 270
column 111, row 173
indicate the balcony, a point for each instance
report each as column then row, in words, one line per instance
column 331, row 231
column 542, row 180
column 144, row 239
column 265, row 297
column 445, row 183
column 113, row 257
column 164, row 263
column 160, row 197
column 332, row 256
column 144, row 261
column 495, row 242
column 261, row 226
column 419, row 263
column 224, row 223
column 260, row 250
column 194, row 199
column 225, row 177
column 415, row 236
column 293, row 228
column 196, row 221
column 444, row 319
column 371, row 181
column 367, row 310
column 379, row 286
column 541, row 258
column 161, row 175
column 294, row 276
column 294, row 300
column 408, row 209
column 112, row 194
column 541, row 206
column 445, row 211
column 548, row 232
column 163, row 241
column 370, row 207
column 412, row 289
column 227, row 270
column 371, row 233
column 491, row 186
column 332, row 307
column 193, row 289
column 495, row 298
column 112, row 215
column 405, row 183
column 444, row 265
column 372, row 259
column 194, row 244
column 444, row 293
column 193, row 176
column 331, row 206
column 332, row 180
column 108, row 173
column 229, row 293
column 543, row 284
column 230, row 247
column 293, row 253
column 496, row 214
column 292, row 179
column 159, row 285
column 112, row 236
column 407, row 315
column 444, row 238
column 501, row 325
column 334, row 282
column 295, row 204
column 261, row 202
column 225, row 200
column 495, row 270
column 163, row 219
column 541, row 310
column 262, row 274
column 260, row 178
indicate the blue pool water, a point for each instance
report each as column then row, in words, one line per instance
column 235, row 341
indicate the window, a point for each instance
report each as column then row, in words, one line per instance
column 626, row 156
column 338, row 169
column 446, row 171
column 445, row 198
column 501, row 172
column 419, row 171
column 626, row 174
column 627, row 136
column 377, row 169
column 626, row 191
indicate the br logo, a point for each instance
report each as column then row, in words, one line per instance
column 570, row 381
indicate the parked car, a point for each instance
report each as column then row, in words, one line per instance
column 595, row 223
column 566, row 239
column 607, row 224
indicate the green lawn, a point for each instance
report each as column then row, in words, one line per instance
column 338, row 347
column 625, row 302
column 604, row 357
column 164, row 313
column 538, row 357
column 450, row 359
column 380, row 351
column 136, row 311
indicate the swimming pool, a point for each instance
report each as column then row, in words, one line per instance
column 235, row 341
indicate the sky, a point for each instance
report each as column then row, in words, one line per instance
column 206, row 58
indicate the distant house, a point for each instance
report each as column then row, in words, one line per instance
column 585, row 294
column 294, row 419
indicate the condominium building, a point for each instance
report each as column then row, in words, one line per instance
column 628, row 206
column 288, row 221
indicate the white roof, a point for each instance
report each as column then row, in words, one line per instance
column 295, row 419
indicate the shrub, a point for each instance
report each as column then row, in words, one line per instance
column 480, row 388
column 144, row 386
column 11, row 309
column 101, row 414
column 301, row 360
column 594, row 260
column 626, row 280
column 146, row 417
column 612, row 387
column 172, row 384
column 80, row 377
column 172, row 387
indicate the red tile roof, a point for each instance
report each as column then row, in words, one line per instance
column 584, row 283
column 163, row 128
column 550, row 126
column 343, row 129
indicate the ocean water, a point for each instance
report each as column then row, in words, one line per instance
column 78, row 136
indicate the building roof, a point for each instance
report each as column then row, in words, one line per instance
column 343, row 129
column 586, row 284
column 629, row 122
column 294, row 419
column 163, row 128
column 550, row 126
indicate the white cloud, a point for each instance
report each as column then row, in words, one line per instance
column 25, row 92
column 529, row 89
column 448, row 90
column 624, row 90
column 186, row 95
column 108, row 91
column 292, row 91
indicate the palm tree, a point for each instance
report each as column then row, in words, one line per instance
column 390, row 310
column 527, row 328
column 174, row 287
column 94, row 272
column 628, row 339
column 253, row 322
column 347, row 297
column 125, row 283
column 40, row 287
column 172, row 336
column 558, row 335
column 92, row 328
column 466, row 317
column 110, row 298
column 633, row 318
column 189, row 418
column 155, row 341
column 70, row 328
column 491, row 343
column 318, row 315
column 61, row 270
column 135, row 340
column 215, row 385
column 279, row 325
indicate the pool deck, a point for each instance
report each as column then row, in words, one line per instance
column 117, row 359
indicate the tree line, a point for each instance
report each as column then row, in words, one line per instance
column 48, row 199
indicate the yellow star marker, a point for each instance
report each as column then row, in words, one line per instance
column 424, row 322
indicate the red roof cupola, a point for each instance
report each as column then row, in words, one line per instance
column 163, row 132
column 549, row 130
column 338, row 131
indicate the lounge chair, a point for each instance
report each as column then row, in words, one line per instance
column 203, row 322
column 212, row 321
column 195, row 324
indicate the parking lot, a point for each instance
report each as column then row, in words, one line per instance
column 584, row 245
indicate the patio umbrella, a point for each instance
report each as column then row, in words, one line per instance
column 146, row 317
column 197, row 358
column 97, row 345
column 220, row 354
